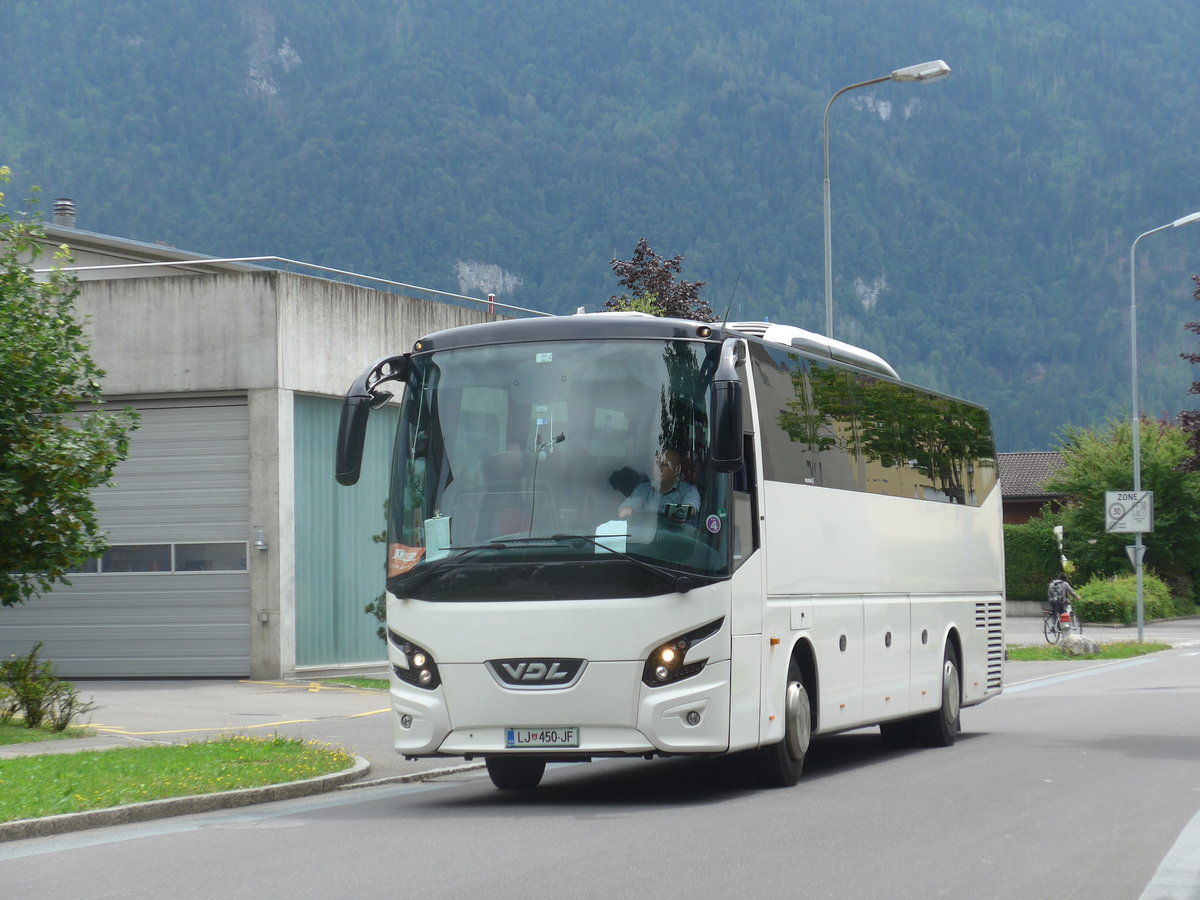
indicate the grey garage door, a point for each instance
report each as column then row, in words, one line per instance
column 172, row 595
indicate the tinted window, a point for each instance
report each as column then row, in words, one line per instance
column 834, row 427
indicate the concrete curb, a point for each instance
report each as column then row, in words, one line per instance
column 178, row 806
column 423, row 775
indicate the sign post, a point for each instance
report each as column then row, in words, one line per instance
column 1131, row 512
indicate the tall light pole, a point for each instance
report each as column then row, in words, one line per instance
column 1136, row 418
column 927, row 72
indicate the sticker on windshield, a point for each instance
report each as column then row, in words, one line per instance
column 402, row 558
column 544, row 357
column 713, row 523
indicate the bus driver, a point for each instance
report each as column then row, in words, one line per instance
column 666, row 493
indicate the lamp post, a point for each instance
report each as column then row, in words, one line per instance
column 927, row 72
column 1136, row 419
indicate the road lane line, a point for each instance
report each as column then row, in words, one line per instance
column 1178, row 875
column 1044, row 680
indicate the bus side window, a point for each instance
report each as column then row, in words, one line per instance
column 745, row 503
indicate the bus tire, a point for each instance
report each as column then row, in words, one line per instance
column 780, row 765
column 515, row 773
column 940, row 728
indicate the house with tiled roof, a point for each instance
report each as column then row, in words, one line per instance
column 1022, row 483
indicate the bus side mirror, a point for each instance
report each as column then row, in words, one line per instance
column 352, row 433
column 726, row 418
column 363, row 396
column 725, row 412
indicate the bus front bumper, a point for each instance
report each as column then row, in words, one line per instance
column 612, row 712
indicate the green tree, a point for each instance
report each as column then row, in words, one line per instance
column 51, row 454
column 1096, row 460
column 652, row 286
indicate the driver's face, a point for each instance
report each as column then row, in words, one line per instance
column 666, row 465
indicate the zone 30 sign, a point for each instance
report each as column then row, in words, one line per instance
column 1128, row 512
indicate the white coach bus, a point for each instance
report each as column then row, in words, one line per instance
column 618, row 535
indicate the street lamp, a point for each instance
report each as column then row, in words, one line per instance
column 935, row 70
column 1137, row 435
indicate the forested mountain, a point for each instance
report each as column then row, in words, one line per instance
column 981, row 225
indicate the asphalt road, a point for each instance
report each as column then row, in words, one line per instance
column 1080, row 781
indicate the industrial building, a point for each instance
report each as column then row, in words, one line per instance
column 233, row 552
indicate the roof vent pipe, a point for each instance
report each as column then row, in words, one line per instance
column 64, row 212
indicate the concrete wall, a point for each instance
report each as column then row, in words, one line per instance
column 329, row 331
column 188, row 333
column 249, row 330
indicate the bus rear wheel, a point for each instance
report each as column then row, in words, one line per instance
column 515, row 773
column 780, row 765
column 940, row 728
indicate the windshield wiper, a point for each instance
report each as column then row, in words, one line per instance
column 681, row 583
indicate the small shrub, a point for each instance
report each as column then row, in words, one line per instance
column 378, row 609
column 28, row 685
column 1115, row 599
column 65, row 706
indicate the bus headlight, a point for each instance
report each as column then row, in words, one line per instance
column 415, row 666
column 665, row 664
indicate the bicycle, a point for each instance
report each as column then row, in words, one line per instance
column 1053, row 627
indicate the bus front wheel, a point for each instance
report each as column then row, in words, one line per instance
column 515, row 773
column 780, row 765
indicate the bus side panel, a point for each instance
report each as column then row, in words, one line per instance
column 873, row 564
column 748, row 704
column 887, row 645
column 837, row 635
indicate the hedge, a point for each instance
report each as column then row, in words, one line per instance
column 1115, row 600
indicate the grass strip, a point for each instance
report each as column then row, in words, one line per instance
column 374, row 684
column 15, row 732
column 55, row 783
column 1112, row 650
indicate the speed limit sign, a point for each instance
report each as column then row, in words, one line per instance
column 1128, row 512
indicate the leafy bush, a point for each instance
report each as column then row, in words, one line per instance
column 1185, row 606
column 1115, row 599
column 29, row 686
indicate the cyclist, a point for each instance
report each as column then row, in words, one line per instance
column 1057, row 593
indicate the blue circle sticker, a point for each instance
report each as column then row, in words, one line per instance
column 713, row 523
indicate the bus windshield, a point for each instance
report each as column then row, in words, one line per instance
column 558, row 469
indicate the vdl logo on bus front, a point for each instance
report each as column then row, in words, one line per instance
column 536, row 674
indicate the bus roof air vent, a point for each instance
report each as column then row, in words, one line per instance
column 816, row 344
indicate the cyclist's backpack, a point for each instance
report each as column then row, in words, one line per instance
column 1056, row 593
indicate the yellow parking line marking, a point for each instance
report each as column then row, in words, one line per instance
column 312, row 687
